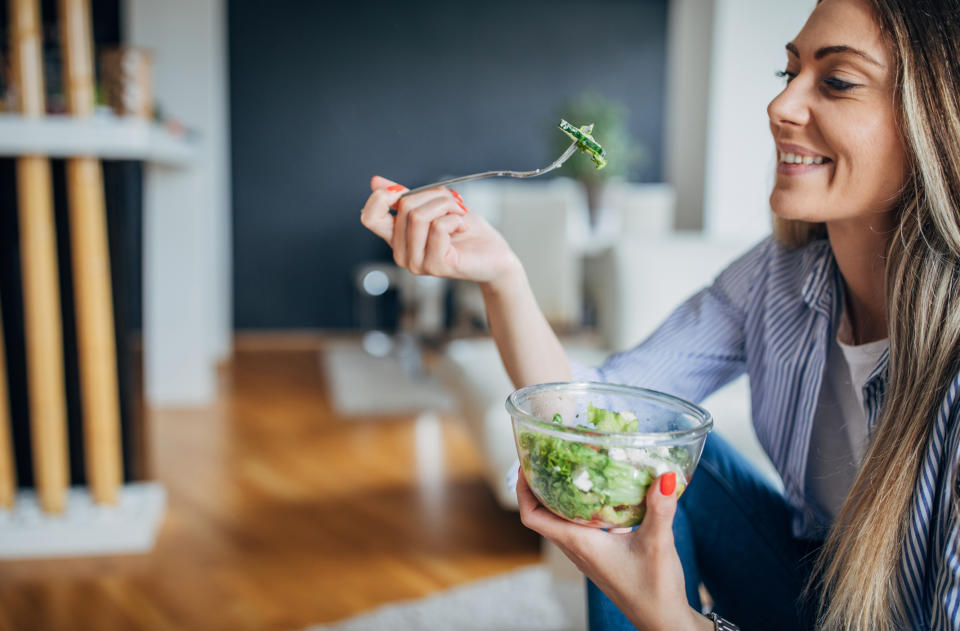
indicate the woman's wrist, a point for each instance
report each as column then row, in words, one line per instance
column 696, row 621
column 700, row 622
column 508, row 280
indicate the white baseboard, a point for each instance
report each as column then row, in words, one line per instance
column 84, row 528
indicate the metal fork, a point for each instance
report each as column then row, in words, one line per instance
column 478, row 176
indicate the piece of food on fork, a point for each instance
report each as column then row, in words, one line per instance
column 585, row 142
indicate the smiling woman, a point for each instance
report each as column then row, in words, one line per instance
column 887, row 111
column 838, row 120
column 847, row 322
column 838, row 112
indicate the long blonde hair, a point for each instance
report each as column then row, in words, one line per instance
column 857, row 571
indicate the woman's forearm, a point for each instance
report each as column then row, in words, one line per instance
column 529, row 348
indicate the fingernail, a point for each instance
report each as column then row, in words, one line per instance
column 668, row 483
column 456, row 195
column 396, row 188
column 460, row 204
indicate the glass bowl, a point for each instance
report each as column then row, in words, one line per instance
column 599, row 476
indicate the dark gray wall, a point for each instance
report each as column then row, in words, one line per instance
column 323, row 95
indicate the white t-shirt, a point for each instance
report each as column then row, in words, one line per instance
column 838, row 438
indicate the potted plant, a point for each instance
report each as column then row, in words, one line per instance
column 610, row 119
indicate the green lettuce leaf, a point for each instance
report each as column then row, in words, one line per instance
column 582, row 481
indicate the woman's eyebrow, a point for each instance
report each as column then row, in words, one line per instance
column 831, row 50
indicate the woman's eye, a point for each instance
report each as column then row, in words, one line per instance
column 838, row 84
column 786, row 74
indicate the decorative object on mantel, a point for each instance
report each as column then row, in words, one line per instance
column 128, row 81
column 8, row 98
column 611, row 126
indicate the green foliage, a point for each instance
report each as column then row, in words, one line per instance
column 611, row 129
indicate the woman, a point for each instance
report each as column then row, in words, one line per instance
column 848, row 324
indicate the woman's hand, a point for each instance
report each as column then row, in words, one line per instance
column 639, row 571
column 434, row 234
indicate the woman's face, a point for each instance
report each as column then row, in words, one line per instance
column 836, row 115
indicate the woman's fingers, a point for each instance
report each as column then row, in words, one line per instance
column 657, row 525
column 376, row 212
column 537, row 517
column 525, row 497
column 438, row 243
column 378, row 182
column 419, row 226
column 624, row 566
column 401, row 223
column 529, row 506
column 409, row 232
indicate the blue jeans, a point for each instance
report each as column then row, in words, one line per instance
column 732, row 532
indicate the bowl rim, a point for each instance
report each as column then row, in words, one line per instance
column 678, row 435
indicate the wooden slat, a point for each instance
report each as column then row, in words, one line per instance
column 8, row 480
column 76, row 38
column 41, row 286
column 91, row 270
column 27, row 56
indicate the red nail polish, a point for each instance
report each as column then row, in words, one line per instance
column 456, row 195
column 668, row 483
column 396, row 188
column 460, row 204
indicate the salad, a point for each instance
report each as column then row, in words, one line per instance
column 595, row 485
column 585, row 142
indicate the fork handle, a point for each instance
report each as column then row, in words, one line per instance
column 479, row 176
column 467, row 178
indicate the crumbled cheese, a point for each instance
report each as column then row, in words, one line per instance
column 617, row 453
column 656, row 459
column 582, row 480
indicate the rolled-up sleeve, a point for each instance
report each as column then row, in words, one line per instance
column 700, row 346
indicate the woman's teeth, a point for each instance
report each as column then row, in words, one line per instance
column 796, row 158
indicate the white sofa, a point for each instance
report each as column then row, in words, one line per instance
column 635, row 281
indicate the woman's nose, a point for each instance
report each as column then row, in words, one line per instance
column 791, row 106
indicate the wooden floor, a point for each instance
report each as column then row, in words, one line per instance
column 282, row 515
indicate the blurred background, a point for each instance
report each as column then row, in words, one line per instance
column 221, row 404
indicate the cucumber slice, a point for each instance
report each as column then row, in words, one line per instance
column 585, row 142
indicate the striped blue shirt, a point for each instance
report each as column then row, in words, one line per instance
column 772, row 314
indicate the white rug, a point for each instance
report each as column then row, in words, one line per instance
column 363, row 385
column 521, row 600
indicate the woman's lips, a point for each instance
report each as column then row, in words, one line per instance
column 798, row 160
column 799, row 169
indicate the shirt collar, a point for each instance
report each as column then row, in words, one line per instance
column 820, row 282
column 880, row 371
column 821, row 286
